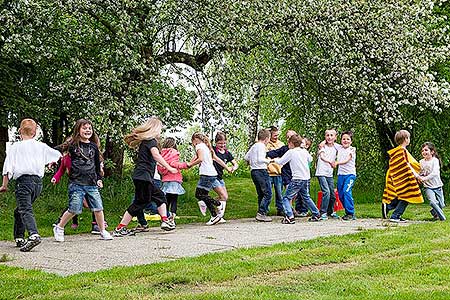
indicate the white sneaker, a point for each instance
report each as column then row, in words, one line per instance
column 214, row 220
column 202, row 206
column 222, row 221
column 106, row 235
column 58, row 233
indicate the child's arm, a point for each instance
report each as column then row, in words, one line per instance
column 62, row 168
column 5, row 182
column 197, row 159
column 179, row 165
column 235, row 165
column 157, row 156
column 343, row 162
column 434, row 172
column 220, row 162
column 286, row 158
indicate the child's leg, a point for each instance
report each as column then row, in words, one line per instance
column 94, row 201
column 203, row 195
column 399, row 210
column 347, row 187
column 304, row 192
column 433, row 195
column 323, row 183
column 259, row 192
column 291, row 190
column 221, row 190
column 172, row 202
column 27, row 191
column 332, row 201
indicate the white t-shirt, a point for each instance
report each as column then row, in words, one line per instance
column 28, row 157
column 206, row 166
column 256, row 156
column 298, row 159
column 431, row 170
column 324, row 168
column 343, row 153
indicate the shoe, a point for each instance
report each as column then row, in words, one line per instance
column 168, row 225
column 303, row 215
column 141, row 228
column 106, row 236
column 334, row 215
column 214, row 220
column 399, row 220
column 324, row 217
column 74, row 226
column 222, row 221
column 122, row 232
column 58, row 233
column 202, row 206
column 31, row 242
column 95, row 229
column 348, row 217
column 20, row 242
column 384, row 210
column 263, row 218
column 287, row 220
column 314, row 219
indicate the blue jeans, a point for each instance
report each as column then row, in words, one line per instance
column 78, row 192
column 399, row 207
column 345, row 186
column 28, row 188
column 328, row 197
column 300, row 187
column 277, row 183
column 207, row 182
column 261, row 179
column 436, row 197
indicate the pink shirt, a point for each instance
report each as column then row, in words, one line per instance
column 172, row 157
column 66, row 164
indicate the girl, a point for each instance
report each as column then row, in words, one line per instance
column 208, row 175
column 431, row 179
column 346, row 157
column 222, row 152
column 84, row 179
column 171, row 183
column 144, row 138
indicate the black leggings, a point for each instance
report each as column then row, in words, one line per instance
column 211, row 203
column 172, row 202
column 145, row 192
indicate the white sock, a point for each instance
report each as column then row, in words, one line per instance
column 224, row 204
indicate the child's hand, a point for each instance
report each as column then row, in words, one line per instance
column 3, row 189
column 99, row 183
column 53, row 180
column 230, row 169
column 172, row 170
column 333, row 164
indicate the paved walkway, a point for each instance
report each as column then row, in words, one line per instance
column 86, row 253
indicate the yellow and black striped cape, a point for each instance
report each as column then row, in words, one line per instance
column 400, row 180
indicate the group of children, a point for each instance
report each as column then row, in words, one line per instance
column 82, row 160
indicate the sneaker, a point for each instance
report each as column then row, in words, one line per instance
column 399, row 220
column 303, row 215
column 106, row 236
column 348, row 217
column 263, row 218
column 214, row 220
column 58, row 233
column 384, row 210
column 202, row 206
column 168, row 225
column 122, row 232
column 287, row 220
column 74, row 226
column 20, row 242
column 95, row 229
column 314, row 219
column 324, row 217
column 434, row 214
column 141, row 228
column 334, row 215
column 222, row 221
column 31, row 242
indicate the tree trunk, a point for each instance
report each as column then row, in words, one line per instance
column 3, row 140
column 385, row 138
column 254, row 116
column 59, row 129
column 113, row 155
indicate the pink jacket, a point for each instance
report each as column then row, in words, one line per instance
column 66, row 164
column 172, row 157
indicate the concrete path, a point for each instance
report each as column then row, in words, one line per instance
column 86, row 253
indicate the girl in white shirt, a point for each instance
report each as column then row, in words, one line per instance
column 431, row 179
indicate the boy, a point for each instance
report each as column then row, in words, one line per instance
column 25, row 162
column 256, row 156
column 298, row 158
column 401, row 185
column 324, row 173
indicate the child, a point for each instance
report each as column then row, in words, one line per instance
column 171, row 183
column 401, row 185
column 144, row 138
column 256, row 156
column 84, row 179
column 431, row 179
column 221, row 151
column 25, row 162
column 324, row 173
column 346, row 174
column 299, row 159
column 208, row 175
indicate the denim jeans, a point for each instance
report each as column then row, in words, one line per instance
column 328, row 197
column 436, row 197
column 261, row 179
column 277, row 183
column 345, row 186
column 78, row 192
column 28, row 188
column 399, row 207
column 300, row 187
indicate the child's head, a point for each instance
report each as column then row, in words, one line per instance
column 346, row 138
column 290, row 133
column 402, row 137
column 306, row 143
column 28, row 128
column 263, row 136
column 150, row 129
column 295, row 141
column 199, row 137
column 170, row 143
column 428, row 150
column 330, row 136
column 274, row 133
column 220, row 140
column 84, row 130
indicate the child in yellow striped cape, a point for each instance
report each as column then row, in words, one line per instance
column 401, row 187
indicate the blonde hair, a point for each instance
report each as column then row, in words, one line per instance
column 401, row 136
column 331, row 130
column 150, row 129
column 28, row 127
column 204, row 139
column 263, row 134
column 296, row 140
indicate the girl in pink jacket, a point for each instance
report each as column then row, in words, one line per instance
column 171, row 182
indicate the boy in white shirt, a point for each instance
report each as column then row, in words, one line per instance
column 298, row 158
column 256, row 157
column 25, row 162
